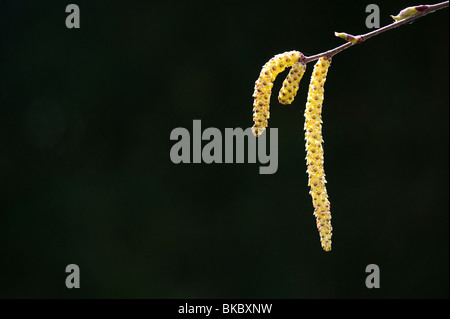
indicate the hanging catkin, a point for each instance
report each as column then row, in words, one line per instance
column 291, row 83
column 314, row 152
column 264, row 84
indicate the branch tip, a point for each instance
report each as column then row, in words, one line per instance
column 409, row 12
column 407, row 15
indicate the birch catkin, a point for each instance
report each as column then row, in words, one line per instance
column 291, row 83
column 264, row 84
column 314, row 154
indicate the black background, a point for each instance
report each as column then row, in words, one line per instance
column 86, row 177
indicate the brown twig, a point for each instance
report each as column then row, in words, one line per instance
column 428, row 9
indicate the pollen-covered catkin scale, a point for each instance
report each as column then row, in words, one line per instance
column 291, row 83
column 264, row 84
column 314, row 151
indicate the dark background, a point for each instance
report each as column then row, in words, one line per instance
column 86, row 177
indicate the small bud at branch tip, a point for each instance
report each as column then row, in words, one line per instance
column 408, row 12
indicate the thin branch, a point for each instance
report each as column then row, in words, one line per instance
column 428, row 9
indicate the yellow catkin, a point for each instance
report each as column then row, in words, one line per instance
column 291, row 83
column 264, row 84
column 314, row 152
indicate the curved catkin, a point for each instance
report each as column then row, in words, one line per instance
column 264, row 84
column 291, row 83
column 314, row 152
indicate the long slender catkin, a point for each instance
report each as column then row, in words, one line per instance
column 314, row 154
column 264, row 84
